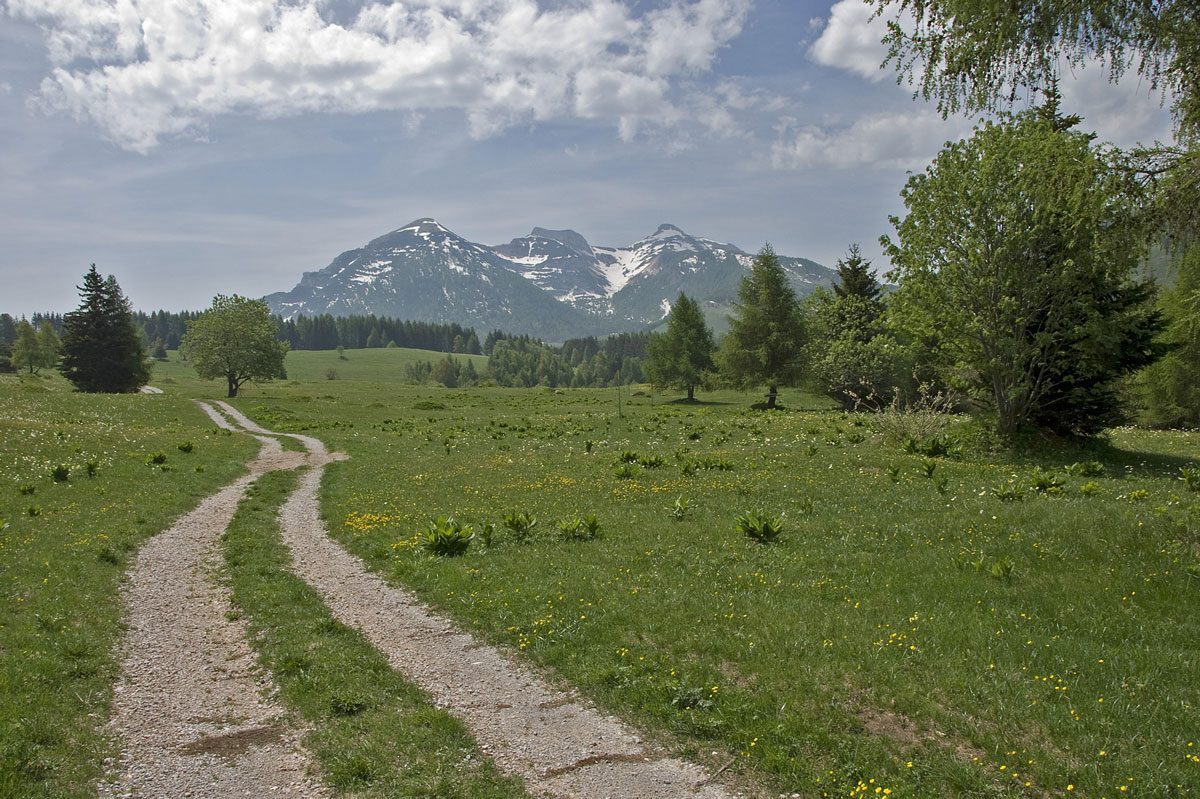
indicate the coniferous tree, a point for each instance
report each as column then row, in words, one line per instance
column 102, row 346
column 680, row 357
column 765, row 342
column 855, row 278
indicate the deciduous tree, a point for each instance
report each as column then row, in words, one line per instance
column 235, row 340
column 1017, row 257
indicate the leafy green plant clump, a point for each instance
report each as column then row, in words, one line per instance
column 447, row 537
column 759, row 526
column 576, row 529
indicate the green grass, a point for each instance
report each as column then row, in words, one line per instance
column 372, row 734
column 899, row 619
column 63, row 547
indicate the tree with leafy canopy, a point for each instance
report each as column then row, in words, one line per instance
column 976, row 55
column 680, row 357
column 102, row 346
column 235, row 340
column 765, row 342
column 853, row 357
column 1016, row 257
column 26, row 354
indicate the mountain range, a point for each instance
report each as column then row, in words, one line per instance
column 551, row 284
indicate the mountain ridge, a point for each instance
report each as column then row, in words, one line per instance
column 550, row 283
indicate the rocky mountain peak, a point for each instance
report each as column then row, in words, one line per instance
column 567, row 237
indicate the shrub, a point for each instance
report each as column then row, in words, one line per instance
column 924, row 419
column 447, row 537
column 520, row 525
column 91, row 467
column 628, row 456
column 756, row 524
column 1086, row 469
column 331, row 373
column 651, row 461
column 26, row 490
column 156, row 459
column 186, row 447
column 624, row 472
column 60, row 473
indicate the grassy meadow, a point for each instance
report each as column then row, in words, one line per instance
column 978, row 625
column 971, row 626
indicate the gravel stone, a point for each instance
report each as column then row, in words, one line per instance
column 193, row 714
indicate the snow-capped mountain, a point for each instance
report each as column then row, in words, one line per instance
column 551, row 283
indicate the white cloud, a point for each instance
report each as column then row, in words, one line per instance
column 5, row 88
column 852, row 40
column 907, row 140
column 148, row 69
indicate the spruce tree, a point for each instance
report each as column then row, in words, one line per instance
column 102, row 346
column 765, row 342
column 855, row 278
column 679, row 357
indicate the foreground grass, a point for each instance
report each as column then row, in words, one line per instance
column 64, row 545
column 919, row 631
column 372, row 734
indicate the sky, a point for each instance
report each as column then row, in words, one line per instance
column 197, row 147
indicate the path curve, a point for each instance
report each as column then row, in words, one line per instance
column 559, row 744
column 193, row 714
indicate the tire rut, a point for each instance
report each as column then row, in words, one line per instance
column 559, row 744
column 192, row 713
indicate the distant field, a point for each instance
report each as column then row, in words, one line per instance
column 924, row 627
column 919, row 631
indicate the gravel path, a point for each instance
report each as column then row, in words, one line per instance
column 556, row 742
column 193, row 715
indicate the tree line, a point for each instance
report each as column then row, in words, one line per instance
column 164, row 330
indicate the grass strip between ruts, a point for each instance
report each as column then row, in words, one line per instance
column 371, row 732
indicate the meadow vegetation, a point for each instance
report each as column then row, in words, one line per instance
column 827, row 606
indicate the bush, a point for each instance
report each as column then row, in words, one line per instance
column 157, row 459
column 759, row 526
column 447, row 537
column 60, row 473
column 186, row 447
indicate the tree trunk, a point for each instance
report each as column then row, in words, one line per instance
column 772, row 394
column 691, row 393
column 233, row 387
